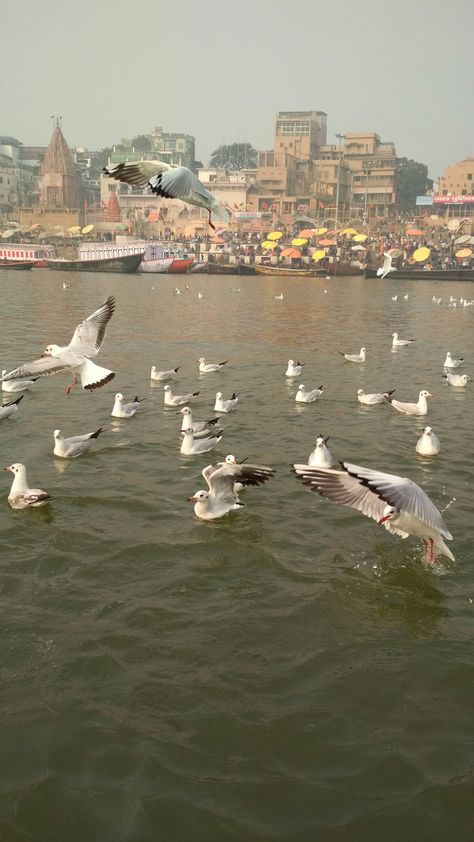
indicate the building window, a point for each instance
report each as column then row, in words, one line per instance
column 463, row 192
column 469, row 176
column 445, row 192
column 1, row 179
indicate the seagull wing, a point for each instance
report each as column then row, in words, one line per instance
column 138, row 173
column 221, row 481
column 402, row 493
column 42, row 367
column 89, row 334
column 208, row 471
column 341, row 487
column 181, row 183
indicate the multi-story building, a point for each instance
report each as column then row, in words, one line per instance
column 175, row 148
column 300, row 133
column 18, row 180
column 458, row 179
column 373, row 166
column 229, row 187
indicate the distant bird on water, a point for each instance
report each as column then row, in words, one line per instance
column 170, row 182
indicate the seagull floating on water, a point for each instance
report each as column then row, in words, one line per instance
column 459, row 380
column 294, row 369
column 221, row 497
column 170, row 182
column 394, row 297
column 397, row 502
column 387, row 267
column 302, row 396
column 177, row 400
column 222, row 405
column 373, row 397
column 419, row 408
column 400, row 343
column 229, row 460
column 279, row 297
column 453, row 362
column 355, row 358
column 9, row 408
column 22, row 497
column 125, row 410
column 200, row 428
column 205, row 367
column 69, row 448
column 320, row 457
column 155, row 374
column 190, row 445
column 428, row 444
column 17, row 385
column 85, row 343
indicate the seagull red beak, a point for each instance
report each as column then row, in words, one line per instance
column 384, row 518
column 190, row 499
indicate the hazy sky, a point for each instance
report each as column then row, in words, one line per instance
column 221, row 70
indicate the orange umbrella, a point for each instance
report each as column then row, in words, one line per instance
column 218, row 240
column 414, row 232
column 290, row 252
column 309, row 232
column 326, row 242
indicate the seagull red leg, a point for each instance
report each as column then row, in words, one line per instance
column 71, row 386
column 425, row 548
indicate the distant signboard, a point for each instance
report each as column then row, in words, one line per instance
column 424, row 200
column 453, row 200
column 248, row 215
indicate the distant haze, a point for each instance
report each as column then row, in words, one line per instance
column 220, row 71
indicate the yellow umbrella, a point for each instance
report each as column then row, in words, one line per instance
column 267, row 244
column 321, row 231
column 87, row 229
column 75, row 229
column 318, row 254
column 464, row 253
column 298, row 241
column 360, row 238
column 421, row 254
column 7, row 234
column 349, row 231
column 275, row 235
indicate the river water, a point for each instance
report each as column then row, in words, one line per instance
column 291, row 672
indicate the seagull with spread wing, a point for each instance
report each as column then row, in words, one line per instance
column 397, row 502
column 75, row 357
column 170, row 182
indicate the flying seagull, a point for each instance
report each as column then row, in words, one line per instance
column 86, row 342
column 170, row 182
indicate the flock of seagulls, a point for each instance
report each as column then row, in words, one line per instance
column 395, row 502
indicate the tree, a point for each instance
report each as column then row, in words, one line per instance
column 141, row 143
column 234, row 156
column 411, row 180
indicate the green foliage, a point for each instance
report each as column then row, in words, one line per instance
column 142, row 143
column 411, row 180
column 234, row 156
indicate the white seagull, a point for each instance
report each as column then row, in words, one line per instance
column 170, row 182
column 9, row 408
column 373, row 397
column 221, row 497
column 302, row 396
column 205, row 367
column 294, row 369
column 155, row 374
column 229, row 460
column 69, row 448
column 453, row 362
column 320, row 457
column 394, row 297
column 21, row 497
column 355, row 358
column 387, row 267
column 428, row 443
column 400, row 343
column 86, row 342
column 190, row 446
column 201, row 429
column 419, row 408
column 397, row 502
column 222, row 405
column 176, row 400
column 17, row 385
column 125, row 410
column 279, row 297
column 460, row 380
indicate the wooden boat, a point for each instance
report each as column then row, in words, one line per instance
column 17, row 264
column 408, row 274
column 179, row 265
column 230, row 269
column 127, row 263
column 198, row 267
column 344, row 270
column 160, row 266
column 286, row 272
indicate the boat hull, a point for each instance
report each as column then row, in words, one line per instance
column 285, row 272
column 230, row 269
column 425, row 274
column 128, row 263
column 180, row 266
column 160, row 266
column 17, row 264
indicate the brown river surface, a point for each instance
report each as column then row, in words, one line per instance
column 290, row 673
